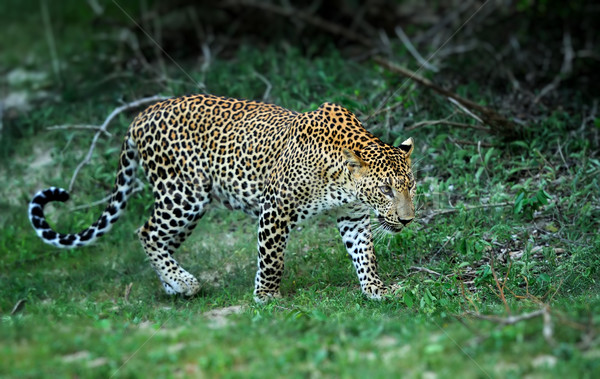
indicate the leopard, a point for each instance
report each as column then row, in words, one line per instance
column 274, row 164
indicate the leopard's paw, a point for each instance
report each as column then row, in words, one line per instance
column 263, row 297
column 179, row 282
column 374, row 291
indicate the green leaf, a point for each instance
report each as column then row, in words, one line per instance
column 488, row 156
column 519, row 202
column 544, row 278
column 409, row 299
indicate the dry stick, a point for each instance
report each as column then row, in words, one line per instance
column 465, row 110
column 497, row 122
column 267, row 83
column 103, row 127
column 565, row 70
column 510, row 319
column 139, row 186
column 497, row 282
column 79, row 126
column 411, row 49
column 468, row 207
column 446, row 122
column 478, row 143
column 462, row 288
column 424, row 269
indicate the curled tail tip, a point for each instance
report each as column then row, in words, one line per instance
column 47, row 195
column 38, row 219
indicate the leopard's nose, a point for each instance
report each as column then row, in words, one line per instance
column 406, row 221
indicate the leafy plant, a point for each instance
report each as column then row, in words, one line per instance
column 527, row 203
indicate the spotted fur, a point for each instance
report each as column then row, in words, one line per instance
column 275, row 164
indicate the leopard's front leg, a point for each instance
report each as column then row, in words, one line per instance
column 356, row 235
column 273, row 232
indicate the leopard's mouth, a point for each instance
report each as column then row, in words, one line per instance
column 388, row 226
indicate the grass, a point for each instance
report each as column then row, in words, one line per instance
column 77, row 320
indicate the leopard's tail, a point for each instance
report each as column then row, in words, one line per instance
column 128, row 163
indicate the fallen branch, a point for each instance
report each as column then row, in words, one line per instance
column 438, row 212
column 508, row 320
column 500, row 293
column 497, row 122
column 411, row 49
column 565, row 70
column 267, row 83
column 424, row 269
column 139, row 185
column 80, row 126
column 446, row 122
column 475, row 143
column 102, row 130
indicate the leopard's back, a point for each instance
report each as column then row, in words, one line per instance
column 226, row 144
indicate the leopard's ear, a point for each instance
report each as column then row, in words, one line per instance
column 407, row 146
column 354, row 162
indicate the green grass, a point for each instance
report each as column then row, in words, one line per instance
column 77, row 320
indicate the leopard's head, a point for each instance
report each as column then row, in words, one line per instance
column 383, row 179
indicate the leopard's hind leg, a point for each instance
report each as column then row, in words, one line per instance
column 177, row 210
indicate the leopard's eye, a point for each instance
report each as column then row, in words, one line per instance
column 386, row 190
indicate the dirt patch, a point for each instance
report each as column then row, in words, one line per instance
column 218, row 317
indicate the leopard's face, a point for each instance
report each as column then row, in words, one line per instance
column 384, row 180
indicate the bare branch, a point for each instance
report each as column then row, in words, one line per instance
column 478, row 143
column 424, row 269
column 80, row 126
column 438, row 212
column 464, row 109
column 497, row 282
column 88, row 157
column 488, row 116
column 139, row 185
column 565, row 70
column 411, row 49
column 446, row 122
column 509, row 320
column 267, row 83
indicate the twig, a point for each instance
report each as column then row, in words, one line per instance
column 478, row 143
column 411, row 49
column 139, row 185
column 500, row 287
column 267, row 83
column 80, row 126
column 565, row 70
column 446, row 122
column 445, row 243
column 386, row 109
column 438, row 212
column 19, row 306
column 127, row 292
column 96, row 8
column 424, row 269
column 102, row 129
column 464, row 109
column 488, row 116
column 509, row 320
column 463, row 291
